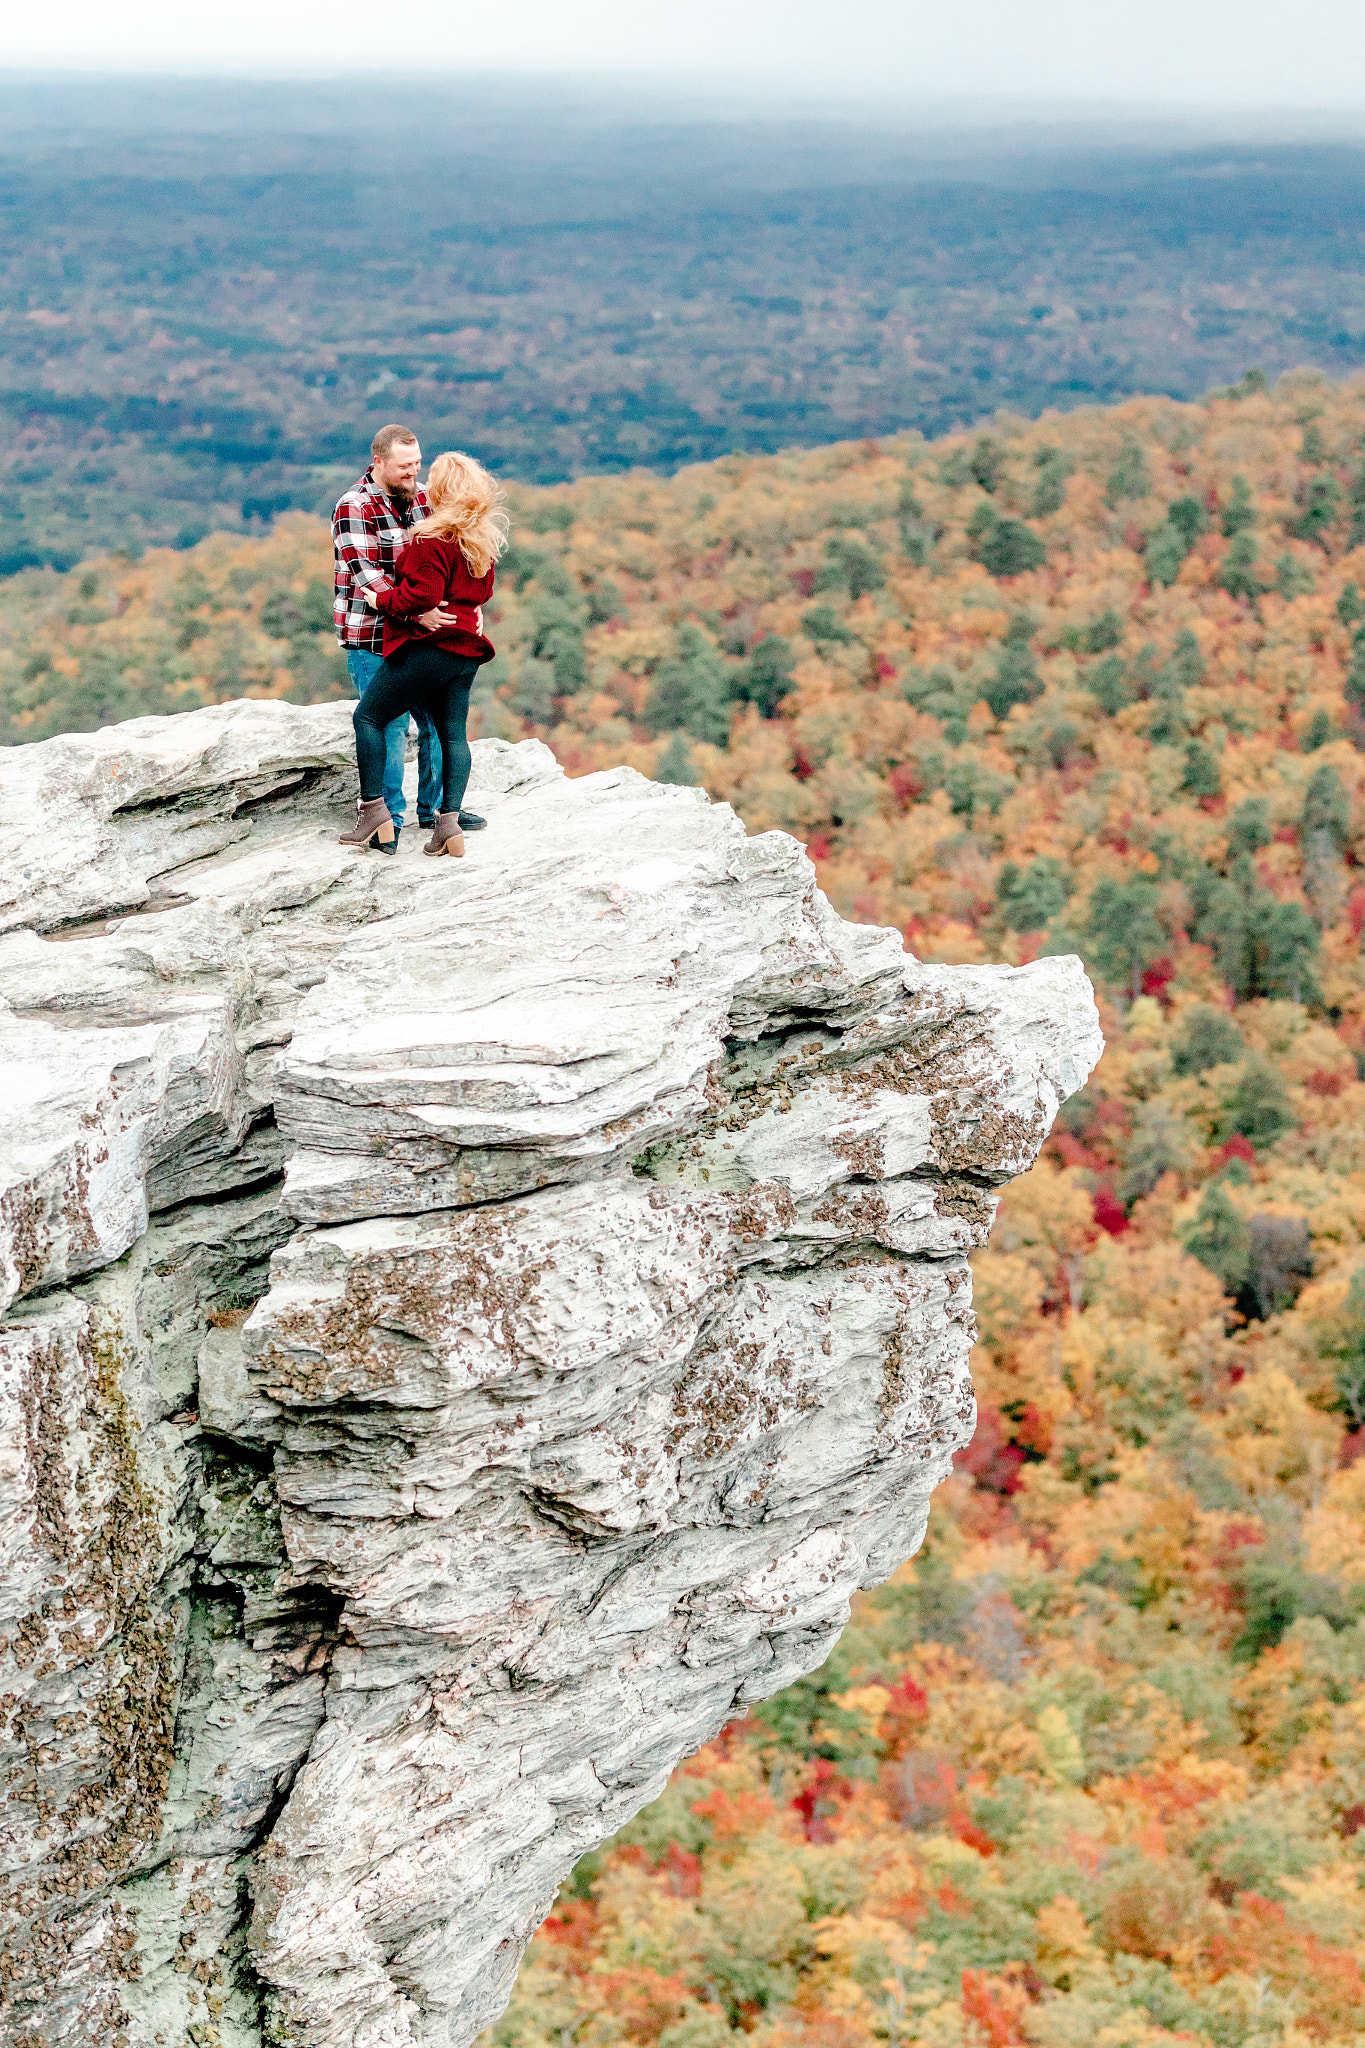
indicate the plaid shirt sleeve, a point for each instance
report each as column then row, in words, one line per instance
column 364, row 539
column 355, row 537
column 357, row 545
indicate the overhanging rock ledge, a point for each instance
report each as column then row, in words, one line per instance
column 468, row 1328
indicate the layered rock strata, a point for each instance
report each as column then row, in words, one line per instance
column 468, row 1330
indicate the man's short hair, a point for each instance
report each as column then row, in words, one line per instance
column 389, row 438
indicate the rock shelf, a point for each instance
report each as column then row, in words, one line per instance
column 468, row 1329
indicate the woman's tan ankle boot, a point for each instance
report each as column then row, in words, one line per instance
column 370, row 819
column 446, row 836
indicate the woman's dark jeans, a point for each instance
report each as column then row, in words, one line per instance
column 417, row 678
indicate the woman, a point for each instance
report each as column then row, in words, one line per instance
column 449, row 562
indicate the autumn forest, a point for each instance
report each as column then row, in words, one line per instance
column 213, row 291
column 1090, row 1769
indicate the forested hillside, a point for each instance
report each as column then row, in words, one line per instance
column 1092, row 1768
column 213, row 291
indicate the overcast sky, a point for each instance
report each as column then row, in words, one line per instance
column 1284, row 53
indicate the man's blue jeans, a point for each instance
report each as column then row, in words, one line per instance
column 361, row 663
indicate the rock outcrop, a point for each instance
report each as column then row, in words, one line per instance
column 468, row 1328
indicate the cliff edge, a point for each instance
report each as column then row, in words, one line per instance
column 467, row 1329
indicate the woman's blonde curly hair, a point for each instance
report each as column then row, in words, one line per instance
column 466, row 506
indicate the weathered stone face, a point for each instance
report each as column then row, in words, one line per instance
column 470, row 1328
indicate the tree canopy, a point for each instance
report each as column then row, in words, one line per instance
column 1092, row 1767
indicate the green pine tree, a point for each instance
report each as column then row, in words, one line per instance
column 1190, row 519
column 1123, row 929
column 1326, row 813
column 1206, row 1038
column 1016, row 680
column 1250, row 827
column 1103, row 633
column 1187, row 664
column 1292, row 579
column 1258, row 1108
column 1354, row 686
column 1004, row 547
column 1130, row 476
column 1286, row 940
column 1350, row 1352
column 1321, row 503
column 1164, row 553
column 1049, row 493
column 691, row 689
column 767, row 676
column 1029, row 898
column 675, row 764
column 1203, row 775
column 987, row 463
column 1239, row 575
column 1108, row 684
column 1239, row 513
column 1220, row 1239
column 851, row 566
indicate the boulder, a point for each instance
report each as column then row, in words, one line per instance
column 468, row 1330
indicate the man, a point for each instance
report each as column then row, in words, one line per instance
column 368, row 526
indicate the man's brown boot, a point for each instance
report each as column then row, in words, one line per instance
column 446, row 836
column 372, row 821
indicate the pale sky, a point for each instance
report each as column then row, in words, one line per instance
column 1273, row 53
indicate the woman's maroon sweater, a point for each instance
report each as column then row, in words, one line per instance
column 432, row 571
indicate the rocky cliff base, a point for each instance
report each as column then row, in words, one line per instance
column 468, row 1329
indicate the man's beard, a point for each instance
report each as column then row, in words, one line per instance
column 403, row 494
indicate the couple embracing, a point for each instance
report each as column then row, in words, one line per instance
column 414, row 568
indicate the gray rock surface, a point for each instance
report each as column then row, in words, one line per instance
column 468, row 1329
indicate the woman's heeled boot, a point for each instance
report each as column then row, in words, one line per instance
column 446, row 835
column 372, row 821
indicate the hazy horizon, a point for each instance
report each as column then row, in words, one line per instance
column 1175, row 54
column 887, row 134
column 704, row 94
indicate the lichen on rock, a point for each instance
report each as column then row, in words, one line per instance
column 468, row 1329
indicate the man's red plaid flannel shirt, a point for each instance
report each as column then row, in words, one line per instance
column 365, row 527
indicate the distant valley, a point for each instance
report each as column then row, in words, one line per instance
column 214, row 293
